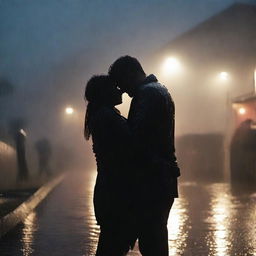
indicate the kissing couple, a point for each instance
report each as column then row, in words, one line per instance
column 137, row 169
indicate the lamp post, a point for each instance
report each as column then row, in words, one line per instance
column 224, row 78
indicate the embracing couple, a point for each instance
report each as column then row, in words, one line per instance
column 137, row 168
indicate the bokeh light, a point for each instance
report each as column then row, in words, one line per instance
column 69, row 110
column 171, row 66
column 242, row 111
column 223, row 76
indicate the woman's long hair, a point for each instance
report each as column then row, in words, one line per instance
column 87, row 131
column 94, row 95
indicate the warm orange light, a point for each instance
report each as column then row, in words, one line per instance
column 223, row 76
column 241, row 111
column 171, row 66
column 69, row 110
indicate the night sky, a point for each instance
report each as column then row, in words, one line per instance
column 38, row 36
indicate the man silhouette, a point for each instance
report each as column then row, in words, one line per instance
column 44, row 152
column 19, row 136
column 151, row 120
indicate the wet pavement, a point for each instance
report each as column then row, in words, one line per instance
column 11, row 199
column 205, row 220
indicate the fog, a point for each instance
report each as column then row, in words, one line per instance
column 50, row 48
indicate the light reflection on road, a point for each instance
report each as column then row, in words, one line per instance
column 251, row 227
column 177, row 227
column 28, row 231
column 222, row 213
column 205, row 220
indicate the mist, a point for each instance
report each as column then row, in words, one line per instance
column 49, row 49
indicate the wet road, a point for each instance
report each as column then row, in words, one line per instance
column 205, row 220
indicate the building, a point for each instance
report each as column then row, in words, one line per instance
column 217, row 60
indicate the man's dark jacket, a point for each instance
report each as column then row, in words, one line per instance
column 151, row 120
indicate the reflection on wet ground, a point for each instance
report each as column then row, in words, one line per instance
column 11, row 199
column 205, row 220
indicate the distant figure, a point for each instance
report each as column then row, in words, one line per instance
column 43, row 148
column 151, row 123
column 19, row 137
column 113, row 192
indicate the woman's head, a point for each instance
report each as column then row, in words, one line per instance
column 100, row 90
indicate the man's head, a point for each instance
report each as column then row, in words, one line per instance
column 127, row 73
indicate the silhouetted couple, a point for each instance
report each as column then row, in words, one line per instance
column 137, row 169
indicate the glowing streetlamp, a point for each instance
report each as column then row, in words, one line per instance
column 69, row 110
column 223, row 79
column 23, row 132
column 223, row 76
column 171, row 66
column 241, row 111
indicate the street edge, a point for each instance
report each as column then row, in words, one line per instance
column 10, row 220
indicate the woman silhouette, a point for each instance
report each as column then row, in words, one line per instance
column 113, row 191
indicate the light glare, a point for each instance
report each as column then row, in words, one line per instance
column 172, row 65
column 69, row 110
column 223, row 76
column 242, row 111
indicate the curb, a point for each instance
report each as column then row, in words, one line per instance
column 10, row 220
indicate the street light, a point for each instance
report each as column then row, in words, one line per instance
column 23, row 132
column 241, row 111
column 69, row 110
column 223, row 79
column 223, row 76
column 171, row 66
